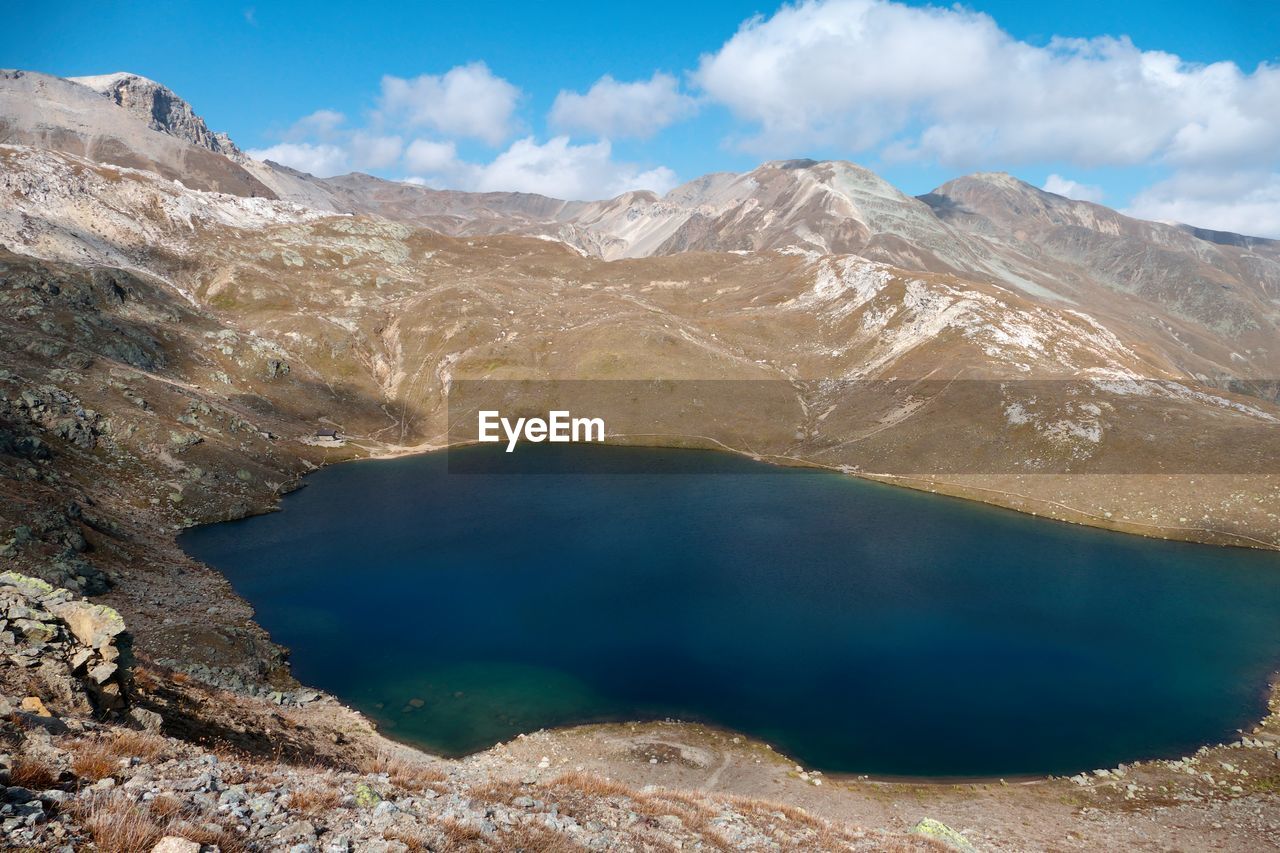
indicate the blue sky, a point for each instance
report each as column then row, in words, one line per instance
column 1181, row 121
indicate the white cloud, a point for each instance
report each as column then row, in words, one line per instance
column 426, row 156
column 321, row 160
column 321, row 123
column 562, row 170
column 369, row 151
column 358, row 150
column 556, row 168
column 1073, row 189
column 1246, row 202
column 947, row 84
column 613, row 109
column 466, row 101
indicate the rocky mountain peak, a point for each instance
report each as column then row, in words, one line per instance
column 1004, row 199
column 821, row 170
column 160, row 108
column 1000, row 179
column 122, row 120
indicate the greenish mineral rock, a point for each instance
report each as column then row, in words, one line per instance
column 938, row 831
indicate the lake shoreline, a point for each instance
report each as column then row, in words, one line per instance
column 990, row 496
column 881, row 779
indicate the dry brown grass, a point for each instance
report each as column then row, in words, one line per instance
column 770, row 809
column 685, row 800
column 146, row 679
column 693, row 810
column 530, row 838
column 33, row 773
column 496, row 791
column 118, row 826
column 416, row 840
column 793, row 825
column 577, row 794
column 313, row 801
column 452, row 836
column 580, row 793
column 405, row 772
column 167, row 807
column 459, row 835
column 208, row 833
column 592, row 785
column 147, row 746
column 94, row 760
column 99, row 758
column 229, row 753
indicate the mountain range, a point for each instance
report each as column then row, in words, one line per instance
column 377, row 295
column 1208, row 301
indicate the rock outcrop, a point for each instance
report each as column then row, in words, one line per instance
column 160, row 108
column 129, row 121
column 73, row 656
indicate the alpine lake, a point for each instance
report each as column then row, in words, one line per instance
column 855, row 627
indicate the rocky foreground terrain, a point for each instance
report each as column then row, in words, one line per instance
column 177, row 321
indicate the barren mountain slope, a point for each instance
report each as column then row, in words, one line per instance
column 1208, row 302
column 1226, row 286
column 830, row 207
column 396, row 314
column 63, row 115
column 1211, row 303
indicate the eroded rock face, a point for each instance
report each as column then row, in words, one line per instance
column 125, row 120
column 79, row 653
column 160, row 108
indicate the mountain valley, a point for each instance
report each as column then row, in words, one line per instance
column 180, row 321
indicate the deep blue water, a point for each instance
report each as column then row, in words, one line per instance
column 853, row 626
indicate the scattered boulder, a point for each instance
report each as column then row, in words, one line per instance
column 180, row 441
column 53, row 545
column 148, row 720
column 366, row 797
column 94, row 625
column 943, row 834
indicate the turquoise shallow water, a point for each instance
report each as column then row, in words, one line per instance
column 853, row 626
